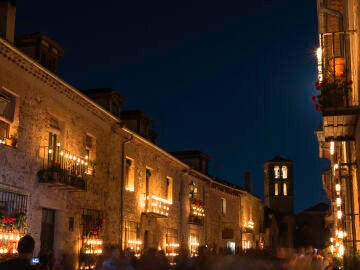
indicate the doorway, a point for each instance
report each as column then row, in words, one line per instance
column 47, row 229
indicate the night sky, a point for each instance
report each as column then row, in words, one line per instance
column 233, row 79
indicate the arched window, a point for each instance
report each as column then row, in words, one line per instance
column 284, row 189
column 284, row 172
column 277, row 171
column 276, row 189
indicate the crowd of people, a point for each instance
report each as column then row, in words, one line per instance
column 153, row 259
column 113, row 258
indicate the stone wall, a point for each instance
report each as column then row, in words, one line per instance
column 42, row 99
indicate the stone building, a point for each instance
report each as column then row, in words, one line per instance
column 85, row 174
column 311, row 227
column 279, row 198
column 338, row 100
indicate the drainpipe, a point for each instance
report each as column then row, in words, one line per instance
column 183, row 195
column 338, row 14
column 122, row 187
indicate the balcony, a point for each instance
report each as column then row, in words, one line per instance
column 155, row 206
column 336, row 101
column 62, row 169
column 197, row 212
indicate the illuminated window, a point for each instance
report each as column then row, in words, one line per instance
column 194, row 244
column 284, row 189
column 169, row 185
column 130, row 175
column 284, row 172
column 4, row 130
column 223, row 206
column 277, row 172
column 90, row 152
column 276, row 189
column 53, row 146
column 130, row 234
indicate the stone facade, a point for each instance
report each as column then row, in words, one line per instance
column 84, row 176
column 338, row 61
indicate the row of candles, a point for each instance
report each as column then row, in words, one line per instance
column 337, row 244
column 68, row 160
column 157, row 205
column 198, row 211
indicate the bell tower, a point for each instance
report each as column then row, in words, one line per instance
column 279, row 197
column 279, row 185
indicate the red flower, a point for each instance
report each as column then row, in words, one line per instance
column 349, row 82
column 317, row 107
column 342, row 75
column 103, row 220
column 318, row 85
column 313, row 98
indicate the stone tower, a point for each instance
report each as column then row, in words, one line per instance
column 279, row 185
column 279, row 197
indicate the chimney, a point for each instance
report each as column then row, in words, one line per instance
column 7, row 19
column 247, row 182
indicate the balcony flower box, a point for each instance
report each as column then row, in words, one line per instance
column 334, row 93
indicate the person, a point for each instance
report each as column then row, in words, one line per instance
column 162, row 260
column 117, row 261
column 25, row 249
column 103, row 257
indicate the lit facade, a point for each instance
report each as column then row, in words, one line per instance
column 338, row 82
column 84, row 180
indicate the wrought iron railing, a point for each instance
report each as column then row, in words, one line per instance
column 63, row 168
column 334, row 81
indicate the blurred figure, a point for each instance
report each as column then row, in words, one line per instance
column 47, row 260
column 149, row 260
column 117, row 261
column 182, row 260
column 25, row 249
column 106, row 254
column 113, row 262
column 163, row 261
column 202, row 261
column 130, row 256
column 59, row 265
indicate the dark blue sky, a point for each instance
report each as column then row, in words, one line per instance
column 233, row 79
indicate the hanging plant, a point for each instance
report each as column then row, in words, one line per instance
column 333, row 92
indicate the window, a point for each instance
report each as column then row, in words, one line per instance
column 7, row 105
column 53, row 146
column 4, row 130
column 276, row 189
column 91, row 220
column 148, row 175
column 88, row 141
column 129, row 174
column 194, row 244
column 223, row 206
column 284, row 189
column 131, row 235
column 90, row 153
column 284, row 172
column 169, row 185
column 11, row 203
column 277, row 172
column 54, row 123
